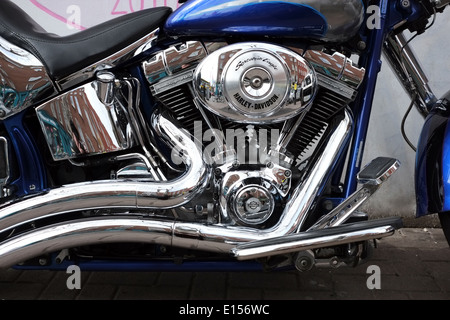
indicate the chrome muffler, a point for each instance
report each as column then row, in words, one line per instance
column 131, row 194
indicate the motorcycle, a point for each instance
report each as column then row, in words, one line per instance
column 223, row 135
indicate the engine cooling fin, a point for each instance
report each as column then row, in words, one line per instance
column 179, row 102
column 326, row 105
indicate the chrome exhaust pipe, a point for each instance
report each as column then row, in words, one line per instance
column 350, row 233
column 214, row 238
column 125, row 194
column 82, row 232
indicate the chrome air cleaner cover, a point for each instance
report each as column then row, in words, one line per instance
column 255, row 83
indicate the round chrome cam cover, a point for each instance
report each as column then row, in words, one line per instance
column 253, row 204
column 255, row 83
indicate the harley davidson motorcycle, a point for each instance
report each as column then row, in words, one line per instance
column 223, row 135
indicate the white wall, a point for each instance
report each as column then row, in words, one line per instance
column 397, row 196
column 67, row 16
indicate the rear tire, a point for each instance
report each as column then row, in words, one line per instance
column 444, row 218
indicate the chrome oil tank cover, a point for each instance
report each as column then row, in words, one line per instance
column 255, row 83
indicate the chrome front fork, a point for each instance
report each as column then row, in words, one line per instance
column 408, row 70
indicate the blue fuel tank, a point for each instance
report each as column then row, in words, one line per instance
column 325, row 20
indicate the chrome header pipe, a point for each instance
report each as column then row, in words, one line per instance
column 97, row 230
column 196, row 236
column 126, row 194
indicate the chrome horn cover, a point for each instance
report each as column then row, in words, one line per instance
column 255, row 83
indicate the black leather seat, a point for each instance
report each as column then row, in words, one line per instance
column 65, row 55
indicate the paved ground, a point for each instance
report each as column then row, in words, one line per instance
column 414, row 264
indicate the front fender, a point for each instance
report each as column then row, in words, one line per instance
column 432, row 172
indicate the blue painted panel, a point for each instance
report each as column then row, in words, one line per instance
column 268, row 18
column 432, row 176
column 32, row 177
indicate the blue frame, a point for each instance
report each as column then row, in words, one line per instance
column 152, row 266
column 32, row 175
column 372, row 64
column 390, row 15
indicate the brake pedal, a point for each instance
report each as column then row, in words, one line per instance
column 371, row 178
column 378, row 171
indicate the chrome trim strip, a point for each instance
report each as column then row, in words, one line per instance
column 6, row 171
column 112, row 61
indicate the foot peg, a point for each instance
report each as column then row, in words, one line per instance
column 378, row 171
column 371, row 177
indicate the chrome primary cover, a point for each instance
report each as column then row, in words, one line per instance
column 255, row 83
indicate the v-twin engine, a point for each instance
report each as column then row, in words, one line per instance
column 259, row 110
column 253, row 131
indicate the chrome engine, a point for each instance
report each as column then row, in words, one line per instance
column 258, row 109
column 252, row 130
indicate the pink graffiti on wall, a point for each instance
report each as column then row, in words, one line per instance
column 140, row 5
column 95, row 11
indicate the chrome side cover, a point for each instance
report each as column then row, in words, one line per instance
column 23, row 79
column 87, row 120
column 255, row 82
